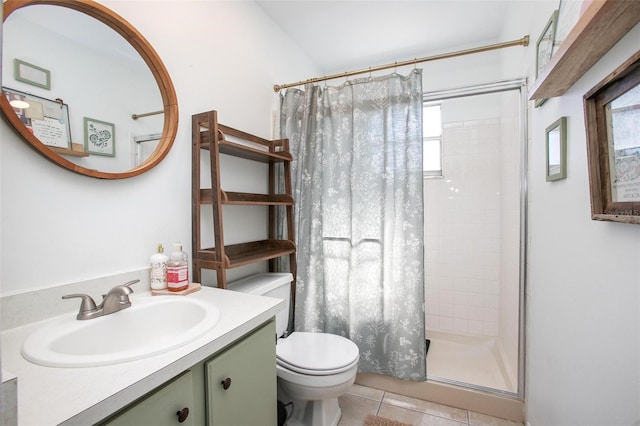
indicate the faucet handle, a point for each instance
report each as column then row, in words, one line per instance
column 123, row 289
column 87, row 302
column 130, row 283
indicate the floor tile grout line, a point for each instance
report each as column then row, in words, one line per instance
column 380, row 403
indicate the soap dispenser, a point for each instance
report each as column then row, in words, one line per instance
column 177, row 269
column 158, row 274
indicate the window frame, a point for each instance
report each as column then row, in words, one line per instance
column 439, row 173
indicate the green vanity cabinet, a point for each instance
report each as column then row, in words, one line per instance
column 236, row 386
column 241, row 382
column 161, row 406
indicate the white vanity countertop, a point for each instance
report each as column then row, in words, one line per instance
column 82, row 396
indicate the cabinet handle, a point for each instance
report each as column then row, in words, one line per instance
column 226, row 383
column 183, row 414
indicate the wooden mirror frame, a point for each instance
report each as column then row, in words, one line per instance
column 151, row 58
column 624, row 78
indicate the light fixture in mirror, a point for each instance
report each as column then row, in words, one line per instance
column 612, row 114
column 96, row 66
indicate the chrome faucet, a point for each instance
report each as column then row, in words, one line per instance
column 115, row 300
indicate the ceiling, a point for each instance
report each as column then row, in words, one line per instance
column 345, row 35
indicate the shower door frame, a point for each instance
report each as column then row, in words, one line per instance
column 520, row 85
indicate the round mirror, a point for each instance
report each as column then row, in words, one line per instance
column 85, row 89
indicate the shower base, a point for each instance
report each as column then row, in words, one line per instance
column 473, row 360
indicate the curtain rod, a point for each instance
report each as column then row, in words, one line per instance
column 524, row 41
column 146, row 114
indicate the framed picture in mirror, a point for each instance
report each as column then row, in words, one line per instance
column 32, row 74
column 556, row 150
column 99, row 137
column 612, row 115
column 47, row 119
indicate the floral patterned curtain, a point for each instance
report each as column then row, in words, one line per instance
column 357, row 177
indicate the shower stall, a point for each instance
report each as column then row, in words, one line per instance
column 475, row 235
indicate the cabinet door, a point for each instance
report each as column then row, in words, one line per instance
column 161, row 407
column 241, row 382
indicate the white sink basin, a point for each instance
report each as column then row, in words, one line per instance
column 152, row 325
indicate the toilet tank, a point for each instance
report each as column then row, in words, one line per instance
column 271, row 284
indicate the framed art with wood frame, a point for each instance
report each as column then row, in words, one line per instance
column 612, row 111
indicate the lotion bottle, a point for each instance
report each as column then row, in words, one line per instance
column 158, row 274
column 177, row 269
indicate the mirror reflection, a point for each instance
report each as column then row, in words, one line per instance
column 76, row 84
column 553, row 166
column 556, row 148
column 623, row 121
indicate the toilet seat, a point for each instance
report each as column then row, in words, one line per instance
column 316, row 354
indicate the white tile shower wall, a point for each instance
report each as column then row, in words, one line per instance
column 462, row 232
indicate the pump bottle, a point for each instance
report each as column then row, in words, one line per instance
column 177, row 269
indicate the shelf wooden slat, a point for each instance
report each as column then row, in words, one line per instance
column 271, row 154
column 247, row 152
column 247, row 253
column 70, row 152
column 257, row 199
column 245, row 198
column 254, row 154
column 601, row 26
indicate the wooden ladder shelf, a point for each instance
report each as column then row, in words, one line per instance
column 209, row 135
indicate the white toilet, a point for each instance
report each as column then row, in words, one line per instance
column 313, row 369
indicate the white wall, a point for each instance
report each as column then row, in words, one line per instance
column 58, row 227
column 583, row 300
column 584, row 280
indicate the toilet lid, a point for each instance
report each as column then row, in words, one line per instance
column 316, row 353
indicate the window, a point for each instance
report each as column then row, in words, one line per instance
column 432, row 140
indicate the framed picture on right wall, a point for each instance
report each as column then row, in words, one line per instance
column 544, row 48
column 612, row 114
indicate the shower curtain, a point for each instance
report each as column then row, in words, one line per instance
column 357, row 184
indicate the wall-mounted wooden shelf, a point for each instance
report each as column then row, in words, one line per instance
column 601, row 26
column 67, row 151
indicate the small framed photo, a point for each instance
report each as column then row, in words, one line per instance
column 556, row 149
column 32, row 74
column 99, row 137
column 568, row 15
column 544, row 48
column 47, row 119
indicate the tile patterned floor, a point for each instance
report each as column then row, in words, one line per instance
column 361, row 401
